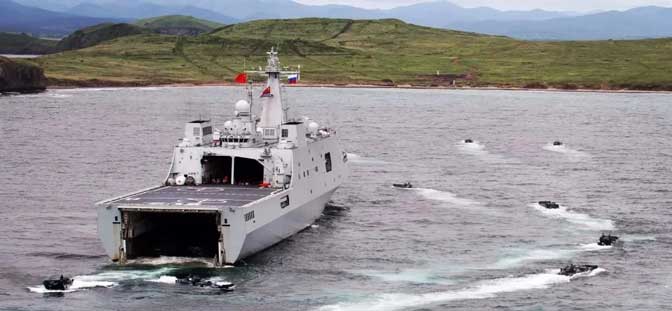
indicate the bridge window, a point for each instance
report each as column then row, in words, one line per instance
column 284, row 201
column 269, row 132
column 327, row 161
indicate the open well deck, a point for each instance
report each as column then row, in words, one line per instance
column 204, row 196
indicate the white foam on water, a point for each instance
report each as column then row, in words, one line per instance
column 638, row 237
column 588, row 274
column 125, row 275
column 444, row 196
column 526, row 256
column 474, row 148
column 166, row 279
column 169, row 279
column 170, row 260
column 572, row 154
column 594, row 247
column 357, row 159
column 477, row 149
column 532, row 255
column 105, row 279
column 314, row 226
column 482, row 290
column 576, row 218
column 417, row 276
column 78, row 283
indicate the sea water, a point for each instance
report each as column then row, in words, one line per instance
column 470, row 236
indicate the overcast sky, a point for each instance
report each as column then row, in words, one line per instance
column 564, row 5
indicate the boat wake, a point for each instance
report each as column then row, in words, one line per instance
column 165, row 279
column 416, row 276
column 170, row 260
column 478, row 150
column 525, row 256
column 104, row 280
column 444, row 196
column 530, row 256
column 482, row 290
column 574, row 155
column 594, row 247
column 588, row 274
column 637, row 237
column 576, row 218
column 169, row 279
column 77, row 285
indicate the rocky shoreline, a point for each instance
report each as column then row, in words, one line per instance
column 20, row 77
column 95, row 83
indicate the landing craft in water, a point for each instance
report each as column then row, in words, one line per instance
column 232, row 192
column 61, row 283
column 549, row 204
column 607, row 240
column 573, row 269
column 406, row 185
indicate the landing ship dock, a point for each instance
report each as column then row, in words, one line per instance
column 230, row 192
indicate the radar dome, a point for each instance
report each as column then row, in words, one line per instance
column 228, row 125
column 313, row 126
column 242, row 106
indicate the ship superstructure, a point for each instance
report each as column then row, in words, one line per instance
column 231, row 192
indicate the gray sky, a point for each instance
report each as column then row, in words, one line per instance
column 563, row 5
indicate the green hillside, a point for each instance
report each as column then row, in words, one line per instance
column 379, row 52
column 94, row 35
column 178, row 25
column 25, row 44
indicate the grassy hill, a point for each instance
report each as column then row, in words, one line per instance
column 368, row 52
column 178, row 25
column 25, row 44
column 94, row 35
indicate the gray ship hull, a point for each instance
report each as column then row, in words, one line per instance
column 285, row 226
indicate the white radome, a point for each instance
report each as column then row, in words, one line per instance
column 313, row 126
column 242, row 106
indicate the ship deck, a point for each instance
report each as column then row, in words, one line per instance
column 204, row 196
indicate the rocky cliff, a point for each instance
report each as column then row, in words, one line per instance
column 21, row 77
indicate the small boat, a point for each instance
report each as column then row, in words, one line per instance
column 549, row 204
column 573, row 269
column 200, row 282
column 61, row 283
column 557, row 143
column 406, row 185
column 468, row 141
column 607, row 240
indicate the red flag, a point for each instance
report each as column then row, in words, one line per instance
column 241, row 78
column 267, row 92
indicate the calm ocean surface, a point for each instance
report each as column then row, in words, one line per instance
column 468, row 238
